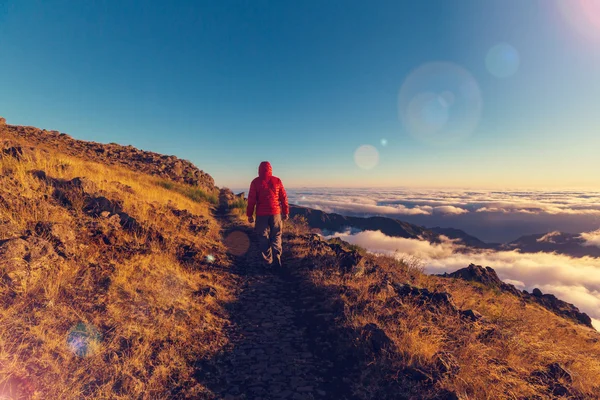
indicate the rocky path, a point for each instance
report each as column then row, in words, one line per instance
column 277, row 348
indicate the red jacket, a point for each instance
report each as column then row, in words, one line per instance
column 267, row 194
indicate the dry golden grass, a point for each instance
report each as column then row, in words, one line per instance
column 126, row 320
column 495, row 357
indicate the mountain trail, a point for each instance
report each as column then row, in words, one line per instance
column 279, row 346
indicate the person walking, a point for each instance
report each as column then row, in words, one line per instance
column 268, row 196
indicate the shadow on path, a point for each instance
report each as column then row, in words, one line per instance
column 284, row 340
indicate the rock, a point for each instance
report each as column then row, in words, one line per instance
column 487, row 276
column 347, row 260
column 375, row 337
column 385, row 287
column 195, row 223
column 98, row 205
column 2, row 121
column 61, row 235
column 41, row 175
column 555, row 376
column 122, row 187
column 147, row 162
column 87, row 185
column 471, row 315
column 446, row 363
column 105, row 214
column 13, row 249
column 557, row 372
column 15, row 152
column 226, row 196
column 20, row 258
column 425, row 297
column 560, row 307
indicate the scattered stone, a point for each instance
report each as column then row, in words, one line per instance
column 471, row 315
column 205, row 291
column 425, row 297
column 20, row 258
column 488, row 277
column 446, row 363
column 560, row 307
column 15, row 152
column 61, row 235
column 168, row 167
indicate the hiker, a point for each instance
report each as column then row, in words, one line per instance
column 268, row 195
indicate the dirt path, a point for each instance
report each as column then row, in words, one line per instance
column 280, row 346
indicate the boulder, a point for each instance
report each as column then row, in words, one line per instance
column 486, row 276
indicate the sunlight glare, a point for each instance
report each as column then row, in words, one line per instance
column 366, row 157
column 83, row 339
column 440, row 103
column 237, row 243
column 583, row 15
column 502, row 60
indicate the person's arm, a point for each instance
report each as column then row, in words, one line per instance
column 251, row 202
column 285, row 207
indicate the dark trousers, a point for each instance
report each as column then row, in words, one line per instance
column 269, row 229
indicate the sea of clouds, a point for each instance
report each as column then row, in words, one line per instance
column 492, row 216
column 576, row 280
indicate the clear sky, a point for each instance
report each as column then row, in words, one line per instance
column 512, row 99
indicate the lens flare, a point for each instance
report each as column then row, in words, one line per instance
column 427, row 113
column 502, row 60
column 448, row 98
column 366, row 157
column 384, row 142
column 237, row 243
column 83, row 339
column 440, row 103
column 583, row 15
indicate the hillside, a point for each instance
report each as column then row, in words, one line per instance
column 559, row 242
column 120, row 279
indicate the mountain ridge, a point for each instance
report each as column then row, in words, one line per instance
column 169, row 167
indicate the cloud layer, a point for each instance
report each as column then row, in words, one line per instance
column 576, row 280
column 591, row 238
column 490, row 215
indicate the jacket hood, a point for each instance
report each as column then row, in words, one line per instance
column 265, row 170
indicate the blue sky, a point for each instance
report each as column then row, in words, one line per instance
column 304, row 84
